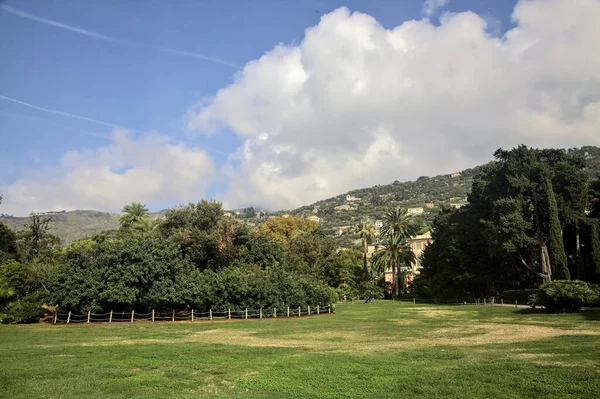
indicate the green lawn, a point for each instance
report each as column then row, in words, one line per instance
column 382, row 350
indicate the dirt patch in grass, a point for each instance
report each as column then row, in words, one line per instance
column 356, row 341
column 428, row 312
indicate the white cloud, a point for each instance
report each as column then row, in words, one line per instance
column 355, row 104
column 147, row 169
column 431, row 6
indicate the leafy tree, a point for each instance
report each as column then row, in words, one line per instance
column 133, row 214
column 283, row 229
column 8, row 243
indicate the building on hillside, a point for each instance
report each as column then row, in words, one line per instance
column 456, row 206
column 314, row 218
column 315, row 210
column 415, row 211
column 455, row 174
column 417, row 244
column 429, row 205
column 378, row 225
column 351, row 197
column 344, row 207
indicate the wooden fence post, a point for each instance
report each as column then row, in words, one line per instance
column 173, row 317
column 414, row 301
column 210, row 313
column 132, row 312
column 309, row 310
column 516, row 303
column 502, row 302
column 260, row 317
column 288, row 311
column 485, row 301
column 192, row 314
column 274, row 313
column 246, row 313
column 110, row 318
column 493, row 301
column 69, row 317
column 229, row 312
column 299, row 311
column 329, row 309
column 317, row 309
column 152, row 315
column 88, row 316
column 55, row 316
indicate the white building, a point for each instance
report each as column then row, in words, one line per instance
column 415, row 211
column 352, row 197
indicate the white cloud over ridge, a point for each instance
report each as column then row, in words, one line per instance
column 146, row 169
column 355, row 104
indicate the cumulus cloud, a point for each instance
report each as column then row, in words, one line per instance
column 354, row 104
column 147, row 169
column 431, row 6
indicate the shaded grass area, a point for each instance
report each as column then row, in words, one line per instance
column 382, row 350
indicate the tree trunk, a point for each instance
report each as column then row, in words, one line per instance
column 394, row 281
column 366, row 250
column 546, row 265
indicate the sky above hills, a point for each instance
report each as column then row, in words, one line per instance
column 277, row 104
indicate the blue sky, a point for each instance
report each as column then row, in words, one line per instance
column 121, row 63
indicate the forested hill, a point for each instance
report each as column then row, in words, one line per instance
column 336, row 214
column 73, row 225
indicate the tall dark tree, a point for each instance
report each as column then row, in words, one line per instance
column 556, row 247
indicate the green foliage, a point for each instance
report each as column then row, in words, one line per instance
column 132, row 273
column 595, row 245
column 8, row 243
column 133, row 214
column 238, row 288
column 556, row 246
column 522, row 296
column 566, row 295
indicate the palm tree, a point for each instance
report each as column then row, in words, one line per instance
column 148, row 225
column 395, row 253
column 365, row 230
column 397, row 221
column 133, row 214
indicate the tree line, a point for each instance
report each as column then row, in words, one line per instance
column 533, row 217
column 196, row 257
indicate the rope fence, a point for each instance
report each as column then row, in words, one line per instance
column 174, row 315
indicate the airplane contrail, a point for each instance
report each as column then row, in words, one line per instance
column 99, row 36
column 50, row 122
column 85, row 118
column 56, row 112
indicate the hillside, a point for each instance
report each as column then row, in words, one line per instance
column 73, row 225
column 426, row 194
column 336, row 215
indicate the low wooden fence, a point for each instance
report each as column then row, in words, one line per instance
column 174, row 315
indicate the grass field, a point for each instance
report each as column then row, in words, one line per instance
column 382, row 350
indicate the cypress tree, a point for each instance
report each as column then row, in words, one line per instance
column 556, row 246
column 595, row 244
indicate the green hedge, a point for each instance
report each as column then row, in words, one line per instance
column 522, row 296
column 566, row 295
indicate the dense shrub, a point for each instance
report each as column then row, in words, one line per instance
column 23, row 310
column 238, row 288
column 566, row 295
column 522, row 296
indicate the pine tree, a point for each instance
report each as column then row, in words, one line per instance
column 556, row 246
